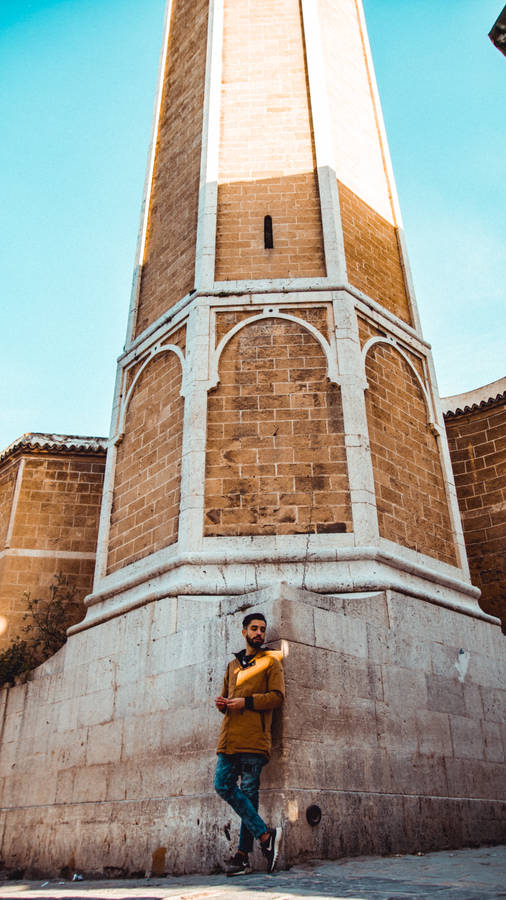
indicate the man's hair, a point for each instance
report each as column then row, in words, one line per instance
column 249, row 618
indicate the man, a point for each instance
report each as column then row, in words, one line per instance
column 253, row 686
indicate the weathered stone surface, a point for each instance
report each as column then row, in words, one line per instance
column 399, row 757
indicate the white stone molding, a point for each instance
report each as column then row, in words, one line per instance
column 46, row 554
column 448, row 477
column 293, row 290
column 193, row 453
column 273, row 285
column 141, row 239
column 285, row 285
column 408, row 279
column 234, row 567
column 391, row 342
column 373, row 312
column 15, row 500
column 356, row 430
column 209, row 169
column 333, row 240
column 108, row 488
column 176, row 314
column 273, row 312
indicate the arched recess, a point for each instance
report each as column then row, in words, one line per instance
column 274, row 314
column 391, row 343
column 145, row 505
column 156, row 350
column 275, row 457
column 410, row 489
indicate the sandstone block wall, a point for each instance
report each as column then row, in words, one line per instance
column 267, row 164
column 477, row 439
column 169, row 258
column 410, row 492
column 49, row 512
column 145, row 512
column 276, row 460
column 372, row 254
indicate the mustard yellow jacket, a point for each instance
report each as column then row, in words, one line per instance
column 262, row 682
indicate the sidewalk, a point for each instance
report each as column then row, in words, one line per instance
column 476, row 874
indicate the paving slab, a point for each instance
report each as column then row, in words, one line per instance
column 473, row 874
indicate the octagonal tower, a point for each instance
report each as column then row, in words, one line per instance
column 276, row 413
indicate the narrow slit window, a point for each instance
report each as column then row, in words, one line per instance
column 268, row 239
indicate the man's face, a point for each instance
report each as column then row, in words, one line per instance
column 254, row 634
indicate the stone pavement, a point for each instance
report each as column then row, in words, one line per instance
column 475, row 874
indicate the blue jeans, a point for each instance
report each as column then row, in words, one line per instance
column 244, row 800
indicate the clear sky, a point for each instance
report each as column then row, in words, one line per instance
column 76, row 96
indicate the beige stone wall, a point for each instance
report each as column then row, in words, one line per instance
column 410, row 494
column 54, row 529
column 477, row 442
column 276, row 461
column 267, row 163
column 393, row 724
column 169, row 260
column 145, row 512
column 372, row 254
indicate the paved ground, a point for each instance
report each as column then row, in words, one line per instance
column 456, row 875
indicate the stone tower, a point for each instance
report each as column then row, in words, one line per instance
column 276, row 443
column 276, row 415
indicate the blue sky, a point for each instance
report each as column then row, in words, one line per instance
column 76, row 96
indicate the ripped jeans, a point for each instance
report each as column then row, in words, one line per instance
column 244, row 799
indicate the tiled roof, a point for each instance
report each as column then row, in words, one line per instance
column 483, row 404
column 462, row 404
column 56, row 443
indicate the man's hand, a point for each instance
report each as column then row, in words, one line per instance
column 223, row 703
column 236, row 703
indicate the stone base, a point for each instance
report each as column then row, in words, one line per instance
column 394, row 725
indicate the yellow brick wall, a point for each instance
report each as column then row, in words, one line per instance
column 169, row 264
column 145, row 512
column 372, row 254
column 267, row 163
column 410, row 493
column 275, row 461
column 227, row 319
column 59, row 504
column 477, row 442
column 58, row 510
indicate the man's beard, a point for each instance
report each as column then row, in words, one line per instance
column 254, row 643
